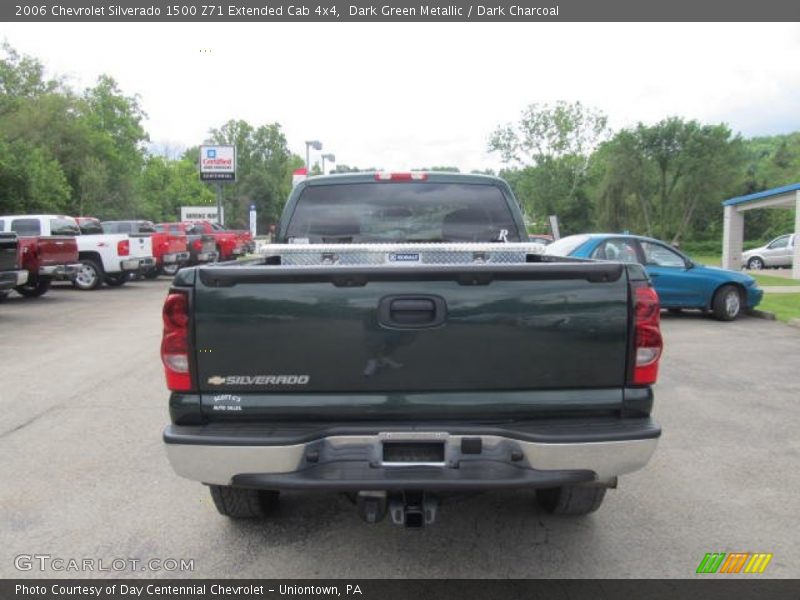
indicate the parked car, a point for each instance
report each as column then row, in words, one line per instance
column 230, row 244
column 778, row 253
column 202, row 247
column 680, row 282
column 11, row 275
column 418, row 356
column 110, row 258
column 47, row 248
column 169, row 249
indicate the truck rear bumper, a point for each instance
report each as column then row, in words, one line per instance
column 62, row 272
column 342, row 458
column 176, row 257
column 137, row 264
column 10, row 279
column 211, row 256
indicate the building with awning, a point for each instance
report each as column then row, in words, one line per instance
column 780, row 198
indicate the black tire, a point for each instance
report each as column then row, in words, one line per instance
column 34, row 289
column 243, row 503
column 571, row 499
column 756, row 264
column 4, row 294
column 152, row 274
column 117, row 279
column 170, row 270
column 727, row 303
column 90, row 275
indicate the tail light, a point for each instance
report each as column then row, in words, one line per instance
column 124, row 247
column 414, row 176
column 175, row 342
column 648, row 342
column 197, row 245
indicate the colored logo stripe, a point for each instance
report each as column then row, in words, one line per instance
column 721, row 562
column 711, row 562
column 757, row 563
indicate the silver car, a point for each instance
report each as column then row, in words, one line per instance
column 778, row 253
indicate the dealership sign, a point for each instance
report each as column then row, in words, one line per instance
column 200, row 213
column 218, row 163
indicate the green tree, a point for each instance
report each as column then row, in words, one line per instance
column 547, row 156
column 667, row 179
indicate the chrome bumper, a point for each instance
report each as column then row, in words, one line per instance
column 11, row 279
column 208, row 256
column 137, row 264
column 177, row 257
column 221, row 464
column 67, row 272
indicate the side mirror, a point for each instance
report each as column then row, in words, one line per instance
column 689, row 264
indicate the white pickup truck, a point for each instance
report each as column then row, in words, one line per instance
column 102, row 257
column 110, row 257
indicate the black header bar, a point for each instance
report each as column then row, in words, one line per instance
column 264, row 11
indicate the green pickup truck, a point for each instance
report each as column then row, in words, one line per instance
column 403, row 341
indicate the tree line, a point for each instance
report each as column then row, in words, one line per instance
column 86, row 152
column 664, row 180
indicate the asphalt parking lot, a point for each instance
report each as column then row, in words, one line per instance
column 83, row 473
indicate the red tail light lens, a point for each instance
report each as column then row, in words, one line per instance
column 198, row 245
column 648, row 336
column 124, row 247
column 175, row 342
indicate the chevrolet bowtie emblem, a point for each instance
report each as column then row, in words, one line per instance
column 216, row 380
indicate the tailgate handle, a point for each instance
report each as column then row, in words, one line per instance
column 412, row 311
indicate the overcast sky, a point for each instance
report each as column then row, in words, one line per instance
column 416, row 95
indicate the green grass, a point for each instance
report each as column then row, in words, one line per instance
column 785, row 306
column 712, row 260
column 764, row 279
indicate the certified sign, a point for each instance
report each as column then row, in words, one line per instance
column 218, row 163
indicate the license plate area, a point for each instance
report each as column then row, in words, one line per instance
column 412, row 453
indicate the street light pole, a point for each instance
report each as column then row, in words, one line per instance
column 316, row 145
column 330, row 157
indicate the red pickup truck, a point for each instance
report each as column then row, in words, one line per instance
column 230, row 244
column 169, row 249
column 44, row 257
column 10, row 274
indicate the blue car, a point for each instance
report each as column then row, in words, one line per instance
column 679, row 281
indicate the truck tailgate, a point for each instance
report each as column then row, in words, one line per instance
column 54, row 249
column 406, row 330
column 141, row 245
column 8, row 252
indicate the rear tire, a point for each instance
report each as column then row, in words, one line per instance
column 117, row 279
column 755, row 264
column 243, row 503
column 34, row 289
column 90, row 275
column 152, row 273
column 4, row 294
column 571, row 499
column 170, row 270
column 727, row 303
